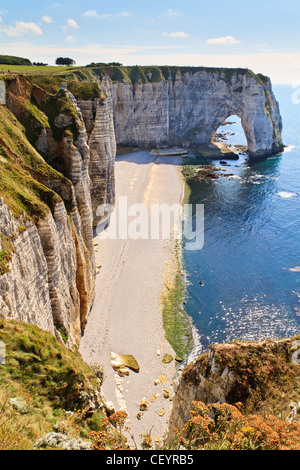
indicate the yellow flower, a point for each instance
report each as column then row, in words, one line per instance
column 247, row 429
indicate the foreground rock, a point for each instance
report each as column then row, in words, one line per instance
column 49, row 277
column 263, row 376
column 59, row 441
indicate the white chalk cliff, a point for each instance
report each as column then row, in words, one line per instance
column 187, row 108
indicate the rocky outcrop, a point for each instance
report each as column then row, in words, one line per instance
column 200, row 380
column 263, row 376
column 24, row 290
column 187, row 108
column 50, row 278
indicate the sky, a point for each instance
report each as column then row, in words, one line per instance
column 262, row 35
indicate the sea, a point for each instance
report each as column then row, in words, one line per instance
column 244, row 283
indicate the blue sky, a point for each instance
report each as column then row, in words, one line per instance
column 260, row 34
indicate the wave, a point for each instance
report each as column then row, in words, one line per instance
column 286, row 194
column 296, row 269
column 289, row 148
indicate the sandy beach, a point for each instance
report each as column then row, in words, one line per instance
column 126, row 316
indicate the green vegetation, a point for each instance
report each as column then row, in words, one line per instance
column 33, row 69
column 80, row 82
column 64, row 61
column 12, row 60
column 84, row 90
column 24, row 173
column 118, row 72
column 266, row 380
column 5, row 253
column 49, row 378
column 37, row 113
column 189, row 171
column 175, row 320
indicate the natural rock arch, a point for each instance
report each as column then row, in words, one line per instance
column 187, row 108
column 223, row 138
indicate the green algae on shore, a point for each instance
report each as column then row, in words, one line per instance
column 176, row 322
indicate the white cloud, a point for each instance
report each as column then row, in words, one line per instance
column 171, row 13
column 70, row 39
column 177, row 34
column 223, row 40
column 21, row 28
column 95, row 14
column 47, row 19
column 71, row 24
column 90, row 14
column 124, row 14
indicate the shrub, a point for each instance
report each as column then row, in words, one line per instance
column 224, row 427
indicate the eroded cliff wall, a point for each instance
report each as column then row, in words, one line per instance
column 50, row 190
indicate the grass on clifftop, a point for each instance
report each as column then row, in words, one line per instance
column 81, row 83
column 48, row 377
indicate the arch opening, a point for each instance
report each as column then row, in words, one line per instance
column 230, row 138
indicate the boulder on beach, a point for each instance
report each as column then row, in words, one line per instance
column 167, row 358
column 124, row 360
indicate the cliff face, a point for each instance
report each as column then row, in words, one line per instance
column 98, row 118
column 48, row 276
column 262, row 375
column 187, row 109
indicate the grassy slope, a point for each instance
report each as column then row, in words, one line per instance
column 50, row 77
column 19, row 161
column 48, row 376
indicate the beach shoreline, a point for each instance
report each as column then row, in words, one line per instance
column 126, row 317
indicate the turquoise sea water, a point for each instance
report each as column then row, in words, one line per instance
column 250, row 262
